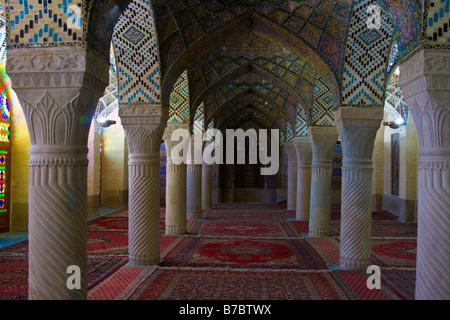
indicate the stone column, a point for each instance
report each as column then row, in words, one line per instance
column 291, row 175
column 323, row 140
column 194, row 180
column 304, row 158
column 425, row 80
column 358, row 128
column 175, row 185
column 58, row 89
column 144, row 126
column 206, row 185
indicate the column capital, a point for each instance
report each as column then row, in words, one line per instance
column 358, row 127
column 303, row 149
column 425, row 80
column 57, row 67
column 143, row 125
column 58, row 89
column 290, row 151
column 323, row 139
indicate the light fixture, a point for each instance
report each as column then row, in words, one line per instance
column 105, row 123
column 395, row 124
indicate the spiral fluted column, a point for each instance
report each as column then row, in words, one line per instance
column 194, row 180
column 144, row 125
column 358, row 127
column 304, row 159
column 206, row 185
column 57, row 222
column 425, row 80
column 291, row 175
column 176, row 215
column 323, row 140
column 58, row 89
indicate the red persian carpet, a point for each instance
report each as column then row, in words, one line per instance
column 241, row 253
column 235, row 252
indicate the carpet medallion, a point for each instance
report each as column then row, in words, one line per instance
column 394, row 253
column 257, row 229
column 295, row 254
column 246, row 215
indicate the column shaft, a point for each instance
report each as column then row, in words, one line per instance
column 57, row 223
column 176, row 215
column 58, row 89
column 143, row 126
column 291, row 176
column 143, row 211
column 358, row 128
column 194, row 191
column 304, row 158
column 206, row 187
column 425, row 80
column 323, row 141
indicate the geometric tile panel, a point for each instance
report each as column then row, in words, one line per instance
column 199, row 120
column 179, row 101
column 366, row 59
column 322, row 113
column 136, row 50
column 406, row 17
column 302, row 125
column 2, row 36
column 393, row 60
column 289, row 132
column 395, row 105
column 44, row 22
column 438, row 23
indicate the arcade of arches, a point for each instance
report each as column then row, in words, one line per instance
column 327, row 74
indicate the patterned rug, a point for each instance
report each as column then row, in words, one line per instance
column 382, row 229
column 356, row 284
column 246, row 215
column 14, row 274
column 108, row 224
column 394, row 253
column 234, row 285
column 196, row 252
column 253, row 229
column 246, row 206
column 376, row 215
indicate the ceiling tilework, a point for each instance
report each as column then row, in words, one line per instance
column 291, row 69
column 264, row 90
column 322, row 23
